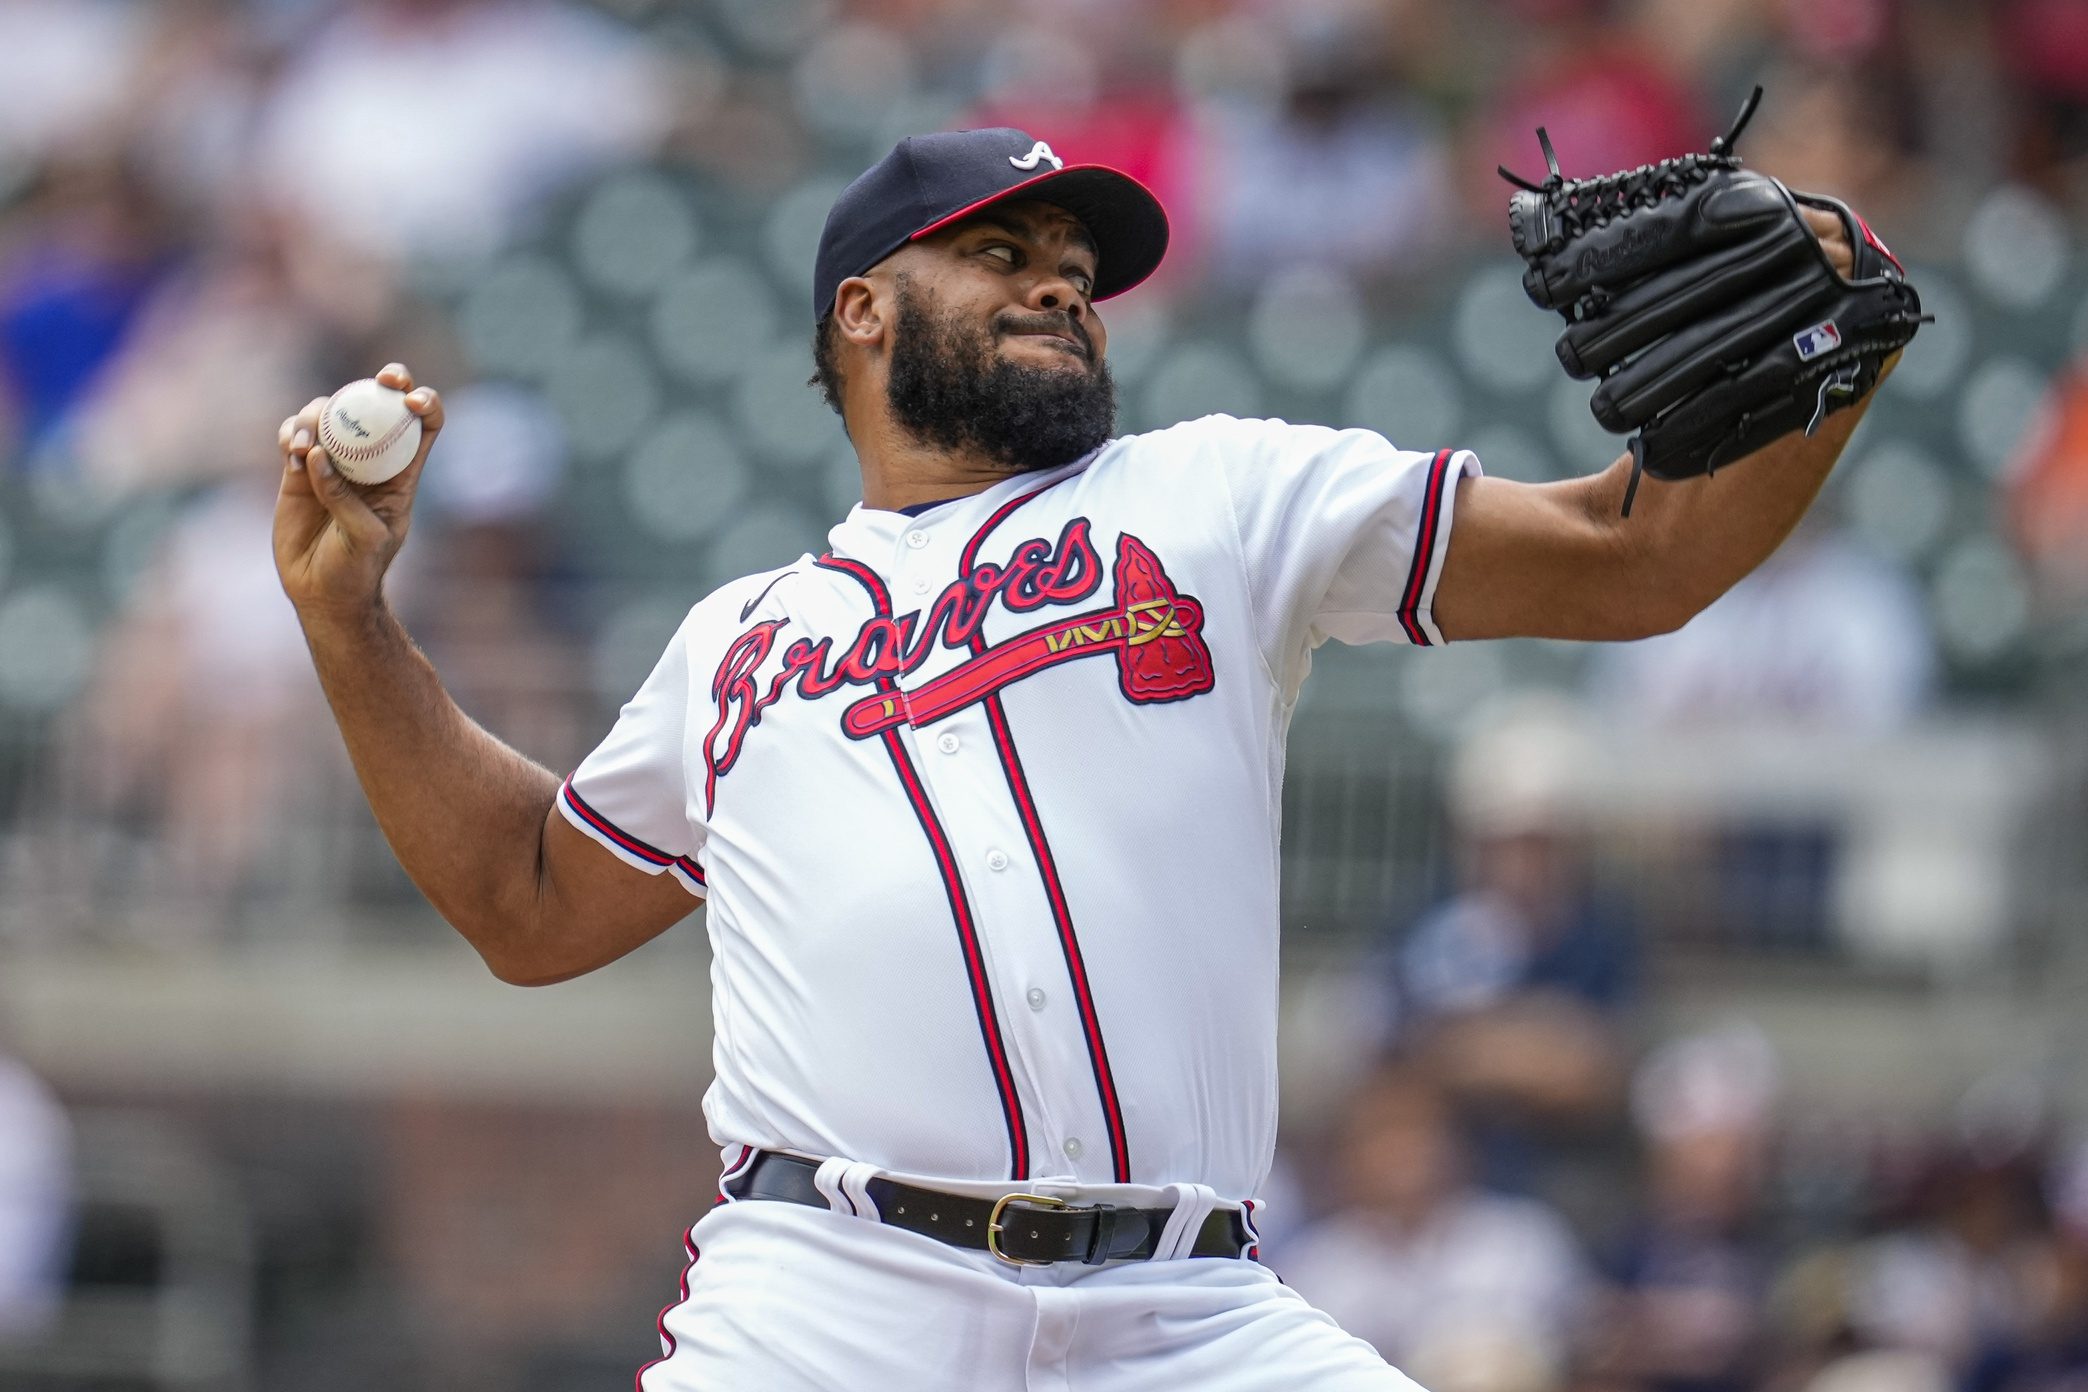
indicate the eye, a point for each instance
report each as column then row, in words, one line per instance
column 1082, row 280
column 1004, row 249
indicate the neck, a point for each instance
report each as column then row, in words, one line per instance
column 899, row 471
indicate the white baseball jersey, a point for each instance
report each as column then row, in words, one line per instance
column 985, row 801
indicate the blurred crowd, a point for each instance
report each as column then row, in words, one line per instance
column 1731, row 1250
column 1537, row 1184
column 212, row 211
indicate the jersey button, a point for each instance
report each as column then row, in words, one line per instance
column 1035, row 998
column 996, row 860
column 920, row 585
column 946, row 742
column 917, row 539
column 1074, row 1148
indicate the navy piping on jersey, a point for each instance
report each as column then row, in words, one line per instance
column 953, row 889
column 1047, row 869
column 916, row 509
column 1424, row 549
column 650, row 854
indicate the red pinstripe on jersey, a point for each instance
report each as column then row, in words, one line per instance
column 1047, row 868
column 953, row 887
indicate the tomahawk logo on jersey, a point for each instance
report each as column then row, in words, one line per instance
column 932, row 782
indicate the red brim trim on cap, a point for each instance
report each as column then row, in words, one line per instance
column 962, row 213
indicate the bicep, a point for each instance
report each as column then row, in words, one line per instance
column 1539, row 561
column 596, row 908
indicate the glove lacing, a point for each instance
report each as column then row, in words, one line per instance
column 1579, row 204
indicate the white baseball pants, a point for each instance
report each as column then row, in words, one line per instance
column 786, row 1298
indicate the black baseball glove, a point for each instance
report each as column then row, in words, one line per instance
column 1697, row 297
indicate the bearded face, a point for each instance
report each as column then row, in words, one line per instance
column 952, row 387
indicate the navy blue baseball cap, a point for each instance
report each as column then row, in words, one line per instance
column 931, row 181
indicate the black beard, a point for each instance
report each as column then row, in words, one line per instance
column 950, row 389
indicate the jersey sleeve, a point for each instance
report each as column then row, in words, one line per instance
column 632, row 793
column 1342, row 533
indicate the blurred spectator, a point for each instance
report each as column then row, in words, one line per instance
column 2052, row 1353
column 206, row 67
column 35, row 1199
column 1837, row 129
column 66, row 70
column 433, row 128
column 1607, row 99
column 1464, row 1290
column 1955, row 1276
column 1517, row 989
column 1692, row 1271
column 78, row 262
column 1882, row 1370
column 1350, row 172
column 2048, row 491
column 483, row 598
column 222, row 352
column 2043, row 45
column 1823, row 634
column 202, row 686
column 1708, row 43
column 1976, row 1282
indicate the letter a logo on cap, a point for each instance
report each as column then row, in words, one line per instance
column 1038, row 152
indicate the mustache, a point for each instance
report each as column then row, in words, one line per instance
column 1052, row 323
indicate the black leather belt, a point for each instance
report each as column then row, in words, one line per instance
column 1022, row 1229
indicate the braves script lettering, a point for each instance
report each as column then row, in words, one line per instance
column 1154, row 632
column 1037, row 573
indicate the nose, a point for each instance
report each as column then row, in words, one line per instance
column 1056, row 292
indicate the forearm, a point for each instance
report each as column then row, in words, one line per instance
column 1690, row 541
column 464, row 813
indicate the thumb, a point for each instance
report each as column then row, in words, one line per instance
column 363, row 528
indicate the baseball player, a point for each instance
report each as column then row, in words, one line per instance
column 983, row 798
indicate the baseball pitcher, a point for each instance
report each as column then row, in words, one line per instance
column 983, row 798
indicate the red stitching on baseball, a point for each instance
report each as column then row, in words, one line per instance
column 361, row 452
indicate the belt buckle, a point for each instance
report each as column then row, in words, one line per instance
column 994, row 1226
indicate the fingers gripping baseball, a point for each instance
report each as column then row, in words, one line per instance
column 334, row 539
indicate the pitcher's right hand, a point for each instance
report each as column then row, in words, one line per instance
column 334, row 539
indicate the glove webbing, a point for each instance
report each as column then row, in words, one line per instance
column 1579, row 202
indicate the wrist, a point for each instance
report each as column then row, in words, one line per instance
column 334, row 622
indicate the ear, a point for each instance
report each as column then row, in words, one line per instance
column 859, row 312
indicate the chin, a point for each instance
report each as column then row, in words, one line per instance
column 1069, row 357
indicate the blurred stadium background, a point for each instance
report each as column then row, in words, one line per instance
column 1692, row 1016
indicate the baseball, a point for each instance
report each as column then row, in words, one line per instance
column 368, row 433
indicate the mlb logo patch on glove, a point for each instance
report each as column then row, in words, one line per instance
column 1820, row 338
